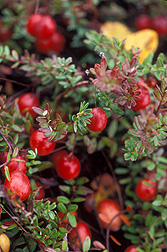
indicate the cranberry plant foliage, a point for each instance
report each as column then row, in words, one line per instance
column 114, row 108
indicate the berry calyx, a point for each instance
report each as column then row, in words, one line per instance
column 98, row 121
column 20, row 185
column 4, row 243
column 146, row 189
column 32, row 23
column 40, row 142
column 144, row 96
column 45, row 28
column 131, row 248
column 26, row 102
column 83, row 231
column 68, row 166
column 106, row 211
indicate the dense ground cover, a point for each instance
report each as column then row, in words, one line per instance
column 83, row 125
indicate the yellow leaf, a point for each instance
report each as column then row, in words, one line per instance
column 116, row 30
column 146, row 40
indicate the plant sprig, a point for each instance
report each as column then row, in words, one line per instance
column 54, row 130
column 82, row 118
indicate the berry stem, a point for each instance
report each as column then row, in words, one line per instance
column 115, row 180
column 37, row 6
column 108, row 228
column 95, row 97
column 10, row 148
column 73, row 146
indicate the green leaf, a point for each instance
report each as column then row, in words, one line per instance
column 65, row 188
column 121, row 170
column 63, row 199
column 52, row 215
column 44, row 165
column 86, row 244
column 15, row 55
column 52, row 206
column 6, row 50
column 76, row 200
column 7, row 174
column 145, row 70
column 1, row 49
column 31, row 155
column 35, row 220
column 16, row 138
column 82, row 181
column 63, row 230
column 62, row 208
column 157, row 94
column 72, row 219
column 17, row 128
column 64, row 245
column 151, row 166
column 149, row 59
column 72, row 208
column 156, row 250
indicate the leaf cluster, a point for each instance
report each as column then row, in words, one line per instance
column 82, row 118
column 54, row 130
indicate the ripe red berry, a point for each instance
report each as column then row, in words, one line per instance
column 14, row 164
column 57, row 42
column 143, row 22
column 40, row 142
column 26, row 102
column 106, row 210
column 68, row 166
column 45, row 28
column 98, row 121
column 131, row 248
column 42, row 45
column 40, row 192
column 56, row 156
column 83, row 232
column 159, row 24
column 144, row 96
column 19, row 184
column 32, row 23
column 146, row 189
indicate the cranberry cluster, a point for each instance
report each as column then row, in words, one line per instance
column 19, row 182
column 43, row 28
column 157, row 23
